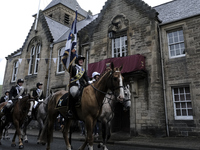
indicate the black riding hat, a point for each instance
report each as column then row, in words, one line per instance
column 7, row 92
column 20, row 81
column 38, row 84
column 79, row 58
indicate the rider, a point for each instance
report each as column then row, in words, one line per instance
column 95, row 77
column 5, row 98
column 38, row 94
column 79, row 80
column 16, row 92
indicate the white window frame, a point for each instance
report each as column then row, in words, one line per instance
column 37, row 52
column 31, row 62
column 15, row 71
column 59, row 62
column 119, row 43
column 183, row 105
column 175, row 41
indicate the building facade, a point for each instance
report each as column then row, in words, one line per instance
column 165, row 97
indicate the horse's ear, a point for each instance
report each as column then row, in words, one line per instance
column 112, row 66
column 120, row 68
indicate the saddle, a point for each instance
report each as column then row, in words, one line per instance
column 63, row 101
column 35, row 110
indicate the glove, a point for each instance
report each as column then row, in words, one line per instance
column 90, row 82
column 29, row 113
column 20, row 97
column 40, row 100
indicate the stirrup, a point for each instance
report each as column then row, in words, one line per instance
column 69, row 114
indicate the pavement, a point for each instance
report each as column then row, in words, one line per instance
column 122, row 138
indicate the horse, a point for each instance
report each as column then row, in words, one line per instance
column 107, row 114
column 89, row 110
column 39, row 114
column 19, row 112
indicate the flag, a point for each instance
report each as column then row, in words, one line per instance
column 70, row 53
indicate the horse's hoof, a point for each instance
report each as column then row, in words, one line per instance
column 0, row 143
column 38, row 142
column 8, row 138
column 13, row 145
column 43, row 143
column 26, row 141
column 99, row 146
column 21, row 146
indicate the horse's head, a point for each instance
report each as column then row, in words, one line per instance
column 115, row 84
column 127, row 98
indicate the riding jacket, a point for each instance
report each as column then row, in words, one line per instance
column 38, row 93
column 79, row 76
column 4, row 98
column 16, row 92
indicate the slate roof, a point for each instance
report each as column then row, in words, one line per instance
column 56, row 28
column 178, row 10
column 79, row 26
column 68, row 3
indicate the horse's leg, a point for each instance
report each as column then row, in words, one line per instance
column 13, row 139
column 26, row 123
column 2, row 126
column 17, row 126
column 41, row 125
column 89, row 138
column 65, row 133
column 104, row 135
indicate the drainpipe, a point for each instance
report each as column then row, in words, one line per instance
column 49, row 70
column 163, row 80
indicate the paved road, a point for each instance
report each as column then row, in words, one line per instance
column 59, row 144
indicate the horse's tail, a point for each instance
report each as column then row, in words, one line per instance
column 43, row 135
column 47, row 131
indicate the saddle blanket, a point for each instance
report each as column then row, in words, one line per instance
column 62, row 102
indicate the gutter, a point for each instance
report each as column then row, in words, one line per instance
column 49, row 70
column 163, row 80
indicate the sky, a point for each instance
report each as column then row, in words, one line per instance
column 16, row 21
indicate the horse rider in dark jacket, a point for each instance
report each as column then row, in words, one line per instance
column 79, row 80
column 38, row 94
column 5, row 98
column 16, row 92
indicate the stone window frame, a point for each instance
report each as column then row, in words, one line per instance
column 37, row 58
column 34, row 55
column 182, row 102
column 177, row 43
column 118, row 30
column 15, row 71
column 59, row 62
column 121, row 42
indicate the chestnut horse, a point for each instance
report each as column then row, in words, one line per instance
column 89, row 110
column 17, row 116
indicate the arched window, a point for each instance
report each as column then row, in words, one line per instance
column 34, row 54
column 60, row 68
column 15, row 71
column 31, row 62
column 37, row 58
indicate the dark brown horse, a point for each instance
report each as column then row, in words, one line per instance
column 90, row 109
column 17, row 116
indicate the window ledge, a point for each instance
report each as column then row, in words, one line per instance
column 59, row 73
column 31, row 76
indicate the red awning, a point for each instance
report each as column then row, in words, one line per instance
column 130, row 64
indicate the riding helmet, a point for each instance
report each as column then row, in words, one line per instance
column 95, row 74
column 7, row 92
column 78, row 58
column 20, row 81
column 38, row 84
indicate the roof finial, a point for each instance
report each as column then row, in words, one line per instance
column 76, row 7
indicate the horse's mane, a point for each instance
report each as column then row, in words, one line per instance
column 102, row 75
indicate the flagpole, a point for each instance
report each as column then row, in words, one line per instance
column 70, row 130
column 37, row 16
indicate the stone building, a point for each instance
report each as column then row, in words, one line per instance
column 165, row 97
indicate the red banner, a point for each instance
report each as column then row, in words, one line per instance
column 129, row 63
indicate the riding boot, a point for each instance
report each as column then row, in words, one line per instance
column 69, row 112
